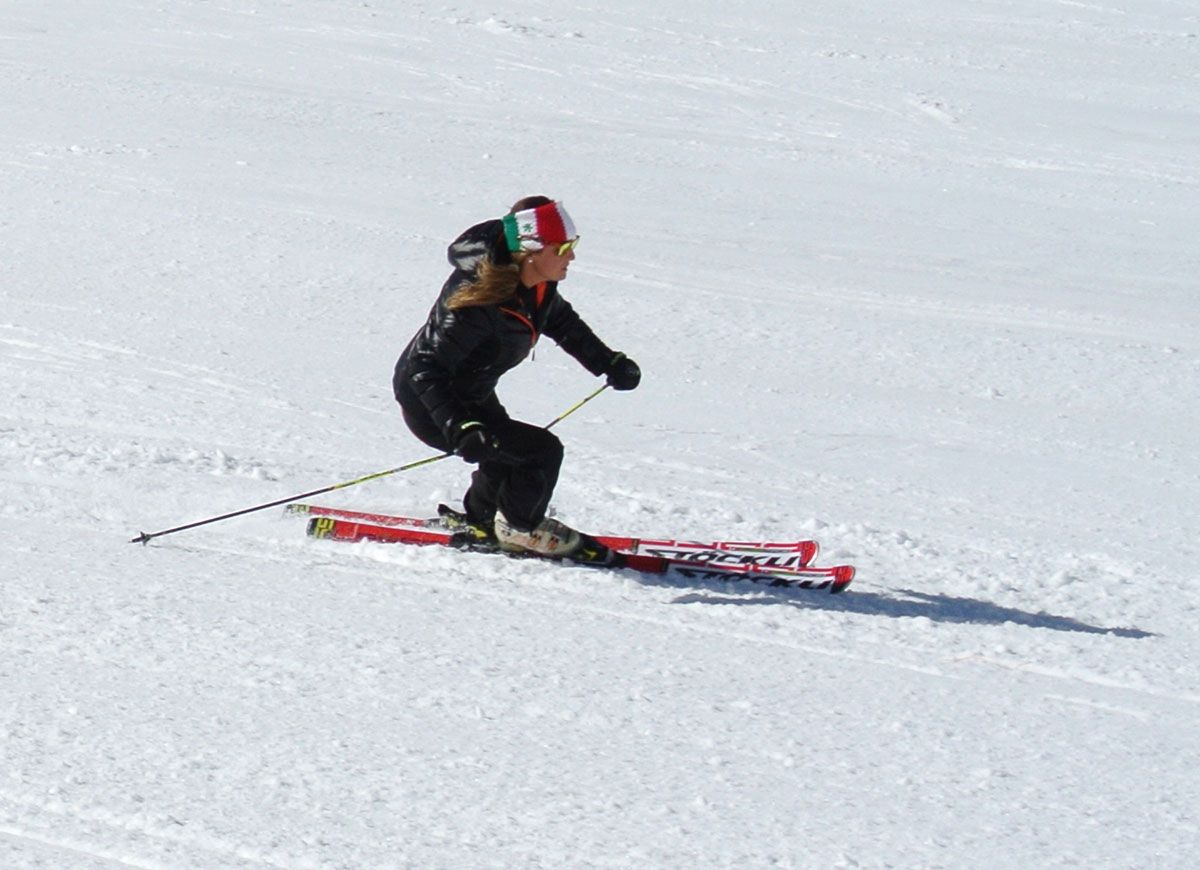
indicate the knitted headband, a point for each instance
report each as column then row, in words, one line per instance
column 533, row 229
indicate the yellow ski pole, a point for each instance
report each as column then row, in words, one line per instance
column 146, row 537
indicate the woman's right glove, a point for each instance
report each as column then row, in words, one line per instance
column 475, row 443
column 623, row 373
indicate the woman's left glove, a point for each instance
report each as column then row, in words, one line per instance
column 475, row 443
column 623, row 373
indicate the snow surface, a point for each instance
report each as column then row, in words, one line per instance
column 917, row 278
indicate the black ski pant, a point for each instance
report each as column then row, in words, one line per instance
column 519, row 481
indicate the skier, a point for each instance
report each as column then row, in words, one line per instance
column 500, row 298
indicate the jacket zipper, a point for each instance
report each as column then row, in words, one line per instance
column 533, row 335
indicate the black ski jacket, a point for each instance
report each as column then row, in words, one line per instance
column 452, row 365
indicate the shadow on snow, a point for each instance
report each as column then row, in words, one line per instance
column 936, row 608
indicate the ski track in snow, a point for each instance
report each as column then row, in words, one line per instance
column 916, row 281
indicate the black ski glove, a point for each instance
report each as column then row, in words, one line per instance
column 623, row 373
column 475, row 443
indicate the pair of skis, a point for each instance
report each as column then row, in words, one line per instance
column 772, row 563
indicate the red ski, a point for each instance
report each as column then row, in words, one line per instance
column 806, row 551
column 692, row 563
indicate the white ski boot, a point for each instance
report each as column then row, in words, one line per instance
column 550, row 538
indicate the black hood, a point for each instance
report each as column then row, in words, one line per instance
column 482, row 241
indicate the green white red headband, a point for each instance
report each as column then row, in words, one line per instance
column 535, row 228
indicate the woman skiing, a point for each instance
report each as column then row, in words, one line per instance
column 501, row 297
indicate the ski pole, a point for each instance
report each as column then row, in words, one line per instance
column 571, row 410
column 145, row 538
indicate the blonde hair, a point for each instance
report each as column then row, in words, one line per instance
column 493, row 283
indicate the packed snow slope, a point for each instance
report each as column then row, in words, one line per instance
column 915, row 278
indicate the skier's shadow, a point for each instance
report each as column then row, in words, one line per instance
column 936, row 608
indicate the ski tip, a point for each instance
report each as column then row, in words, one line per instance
column 842, row 576
column 809, row 551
